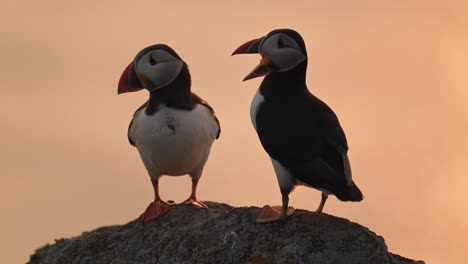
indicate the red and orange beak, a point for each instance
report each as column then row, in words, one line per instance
column 260, row 70
column 251, row 47
column 129, row 81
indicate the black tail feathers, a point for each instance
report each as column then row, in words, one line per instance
column 349, row 193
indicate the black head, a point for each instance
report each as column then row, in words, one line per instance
column 153, row 68
column 281, row 50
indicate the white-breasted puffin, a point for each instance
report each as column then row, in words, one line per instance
column 300, row 133
column 174, row 130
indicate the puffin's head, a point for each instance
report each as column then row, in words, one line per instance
column 153, row 68
column 281, row 50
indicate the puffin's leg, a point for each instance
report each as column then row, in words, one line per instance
column 322, row 203
column 275, row 213
column 158, row 207
column 284, row 208
column 193, row 196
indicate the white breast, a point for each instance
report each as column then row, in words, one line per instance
column 257, row 100
column 174, row 142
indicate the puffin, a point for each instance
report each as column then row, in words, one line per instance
column 301, row 134
column 174, row 129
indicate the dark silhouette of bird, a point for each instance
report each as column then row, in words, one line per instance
column 300, row 133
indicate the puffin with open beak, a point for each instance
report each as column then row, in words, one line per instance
column 174, row 130
column 300, row 133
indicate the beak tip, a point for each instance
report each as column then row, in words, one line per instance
column 122, row 88
column 236, row 52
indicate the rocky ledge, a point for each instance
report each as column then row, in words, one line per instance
column 223, row 234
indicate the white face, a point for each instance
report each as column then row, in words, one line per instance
column 283, row 52
column 157, row 68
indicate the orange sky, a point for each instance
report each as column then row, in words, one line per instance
column 394, row 73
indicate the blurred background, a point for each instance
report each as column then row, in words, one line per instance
column 395, row 72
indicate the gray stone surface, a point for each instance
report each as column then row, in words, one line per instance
column 223, row 234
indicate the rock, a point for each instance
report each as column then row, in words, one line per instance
column 223, row 234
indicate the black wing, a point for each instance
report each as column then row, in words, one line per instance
column 198, row 100
column 130, row 140
column 299, row 130
column 305, row 136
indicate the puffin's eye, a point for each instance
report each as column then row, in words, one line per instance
column 152, row 61
column 281, row 44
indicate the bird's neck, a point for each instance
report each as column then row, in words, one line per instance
column 175, row 95
column 282, row 85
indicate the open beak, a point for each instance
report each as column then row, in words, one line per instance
column 129, row 81
column 251, row 47
column 262, row 69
